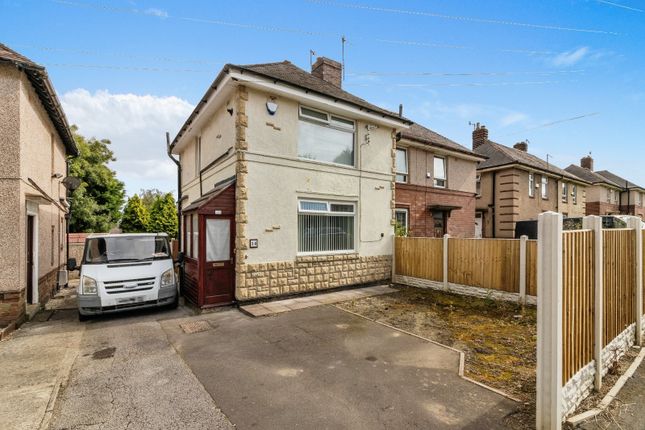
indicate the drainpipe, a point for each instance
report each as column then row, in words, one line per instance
column 179, row 196
column 628, row 197
column 494, row 204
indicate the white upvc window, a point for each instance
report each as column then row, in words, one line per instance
column 440, row 176
column 531, row 185
column 325, row 226
column 565, row 192
column 401, row 165
column 574, row 194
column 402, row 220
column 478, row 185
column 545, row 187
column 325, row 137
column 610, row 195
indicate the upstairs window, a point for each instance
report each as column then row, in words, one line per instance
column 325, row 137
column 565, row 192
column 531, row 185
column 610, row 196
column 478, row 185
column 325, row 226
column 574, row 194
column 401, row 165
column 545, row 187
column 440, row 178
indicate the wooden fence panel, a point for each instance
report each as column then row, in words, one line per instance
column 619, row 283
column 531, row 268
column 578, row 301
column 419, row 257
column 485, row 263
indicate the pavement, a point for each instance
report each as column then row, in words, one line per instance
column 319, row 367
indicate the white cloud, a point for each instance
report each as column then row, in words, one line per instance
column 136, row 126
column 489, row 114
column 570, row 58
column 156, row 12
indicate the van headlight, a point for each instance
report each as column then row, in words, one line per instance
column 168, row 278
column 88, row 285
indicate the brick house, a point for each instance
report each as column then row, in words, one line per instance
column 35, row 141
column 632, row 196
column 435, row 184
column 603, row 195
column 287, row 183
column 517, row 186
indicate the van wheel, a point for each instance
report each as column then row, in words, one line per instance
column 82, row 317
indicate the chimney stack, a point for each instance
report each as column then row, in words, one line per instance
column 587, row 162
column 522, row 146
column 480, row 136
column 328, row 70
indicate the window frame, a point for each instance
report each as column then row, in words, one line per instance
column 334, row 122
column 531, row 185
column 544, row 187
column 405, row 174
column 329, row 213
column 406, row 211
column 445, row 171
column 478, row 185
column 565, row 192
column 574, row 193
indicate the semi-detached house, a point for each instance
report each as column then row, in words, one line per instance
column 287, row 185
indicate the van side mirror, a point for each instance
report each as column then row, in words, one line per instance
column 71, row 264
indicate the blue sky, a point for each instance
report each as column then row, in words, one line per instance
column 130, row 70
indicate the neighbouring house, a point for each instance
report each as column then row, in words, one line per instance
column 632, row 196
column 287, row 184
column 603, row 195
column 435, row 184
column 36, row 142
column 517, row 186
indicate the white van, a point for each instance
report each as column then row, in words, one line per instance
column 125, row 271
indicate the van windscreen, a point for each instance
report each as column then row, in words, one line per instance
column 113, row 249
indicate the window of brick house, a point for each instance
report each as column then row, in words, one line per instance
column 531, row 185
column 325, row 226
column 610, row 196
column 545, row 187
column 574, row 194
column 478, row 185
column 401, row 215
column 325, row 137
column 440, row 176
column 565, row 192
column 401, row 165
column 198, row 155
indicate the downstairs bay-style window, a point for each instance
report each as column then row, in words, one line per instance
column 325, row 226
column 325, row 137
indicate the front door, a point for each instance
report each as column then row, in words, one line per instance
column 439, row 220
column 219, row 260
column 30, row 259
column 479, row 224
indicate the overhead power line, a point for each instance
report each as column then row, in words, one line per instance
column 289, row 30
column 465, row 84
column 125, row 68
column 457, row 74
column 552, row 123
column 622, row 6
column 460, row 18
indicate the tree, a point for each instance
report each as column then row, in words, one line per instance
column 148, row 197
column 135, row 216
column 96, row 204
column 163, row 216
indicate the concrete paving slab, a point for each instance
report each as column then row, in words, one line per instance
column 325, row 368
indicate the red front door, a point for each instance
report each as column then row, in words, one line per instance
column 219, row 260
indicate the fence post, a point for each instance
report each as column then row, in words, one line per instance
column 523, row 241
column 549, row 319
column 594, row 223
column 446, row 238
column 635, row 223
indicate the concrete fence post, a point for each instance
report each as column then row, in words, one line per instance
column 635, row 223
column 594, row 223
column 446, row 239
column 523, row 241
column 549, row 322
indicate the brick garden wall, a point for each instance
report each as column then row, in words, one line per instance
column 601, row 208
column 310, row 273
column 416, row 199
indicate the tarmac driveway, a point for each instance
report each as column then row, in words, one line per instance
column 326, row 368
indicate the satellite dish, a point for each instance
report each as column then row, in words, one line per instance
column 71, row 183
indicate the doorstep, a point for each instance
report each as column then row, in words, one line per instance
column 292, row 304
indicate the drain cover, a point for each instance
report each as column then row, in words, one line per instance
column 195, row 326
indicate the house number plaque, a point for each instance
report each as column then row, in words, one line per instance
column 253, row 243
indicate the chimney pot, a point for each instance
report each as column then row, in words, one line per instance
column 521, row 146
column 587, row 162
column 328, row 70
column 480, row 136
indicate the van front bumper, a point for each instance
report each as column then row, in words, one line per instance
column 92, row 305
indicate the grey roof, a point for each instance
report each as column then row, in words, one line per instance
column 500, row 155
column 590, row 176
column 37, row 75
column 621, row 182
column 423, row 135
column 288, row 73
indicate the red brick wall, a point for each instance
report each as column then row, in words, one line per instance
column 600, row 208
column 416, row 199
column 12, row 307
column 636, row 210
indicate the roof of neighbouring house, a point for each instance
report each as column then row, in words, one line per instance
column 590, row 176
column 500, row 155
column 38, row 77
column 621, row 182
column 420, row 134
